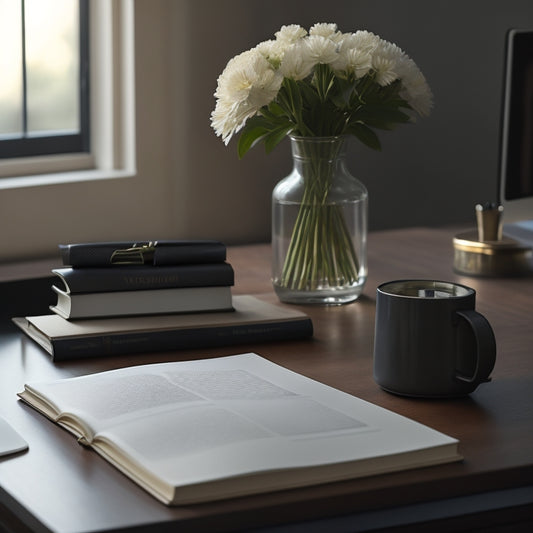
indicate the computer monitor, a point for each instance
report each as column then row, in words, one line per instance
column 516, row 157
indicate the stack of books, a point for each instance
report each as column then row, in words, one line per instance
column 124, row 298
column 126, row 279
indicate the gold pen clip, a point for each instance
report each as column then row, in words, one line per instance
column 136, row 255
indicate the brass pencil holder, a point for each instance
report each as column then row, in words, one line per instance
column 486, row 252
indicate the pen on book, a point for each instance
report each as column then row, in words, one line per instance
column 136, row 255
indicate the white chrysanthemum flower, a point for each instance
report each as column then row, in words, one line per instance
column 296, row 63
column 253, row 79
column 364, row 40
column 385, row 62
column 300, row 58
column 273, row 51
column 320, row 50
column 224, row 120
column 417, row 93
column 326, row 30
column 352, row 58
column 247, row 83
column 384, row 69
column 415, row 90
column 290, row 34
column 354, row 61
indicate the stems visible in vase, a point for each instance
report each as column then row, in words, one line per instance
column 321, row 252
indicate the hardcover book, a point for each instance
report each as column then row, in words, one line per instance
column 218, row 428
column 143, row 277
column 158, row 253
column 252, row 321
column 147, row 302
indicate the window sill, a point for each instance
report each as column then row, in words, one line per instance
column 61, row 178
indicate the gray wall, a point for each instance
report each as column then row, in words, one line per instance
column 430, row 173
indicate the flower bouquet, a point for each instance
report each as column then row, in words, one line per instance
column 312, row 85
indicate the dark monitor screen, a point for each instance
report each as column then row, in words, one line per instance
column 516, row 176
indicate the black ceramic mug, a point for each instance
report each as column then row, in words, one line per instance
column 429, row 340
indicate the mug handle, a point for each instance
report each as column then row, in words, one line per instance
column 485, row 347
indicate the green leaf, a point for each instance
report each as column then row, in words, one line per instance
column 276, row 136
column 275, row 109
column 309, row 95
column 250, row 137
column 259, row 121
column 342, row 92
column 380, row 124
column 255, row 129
column 365, row 135
column 263, row 128
column 272, row 120
column 385, row 117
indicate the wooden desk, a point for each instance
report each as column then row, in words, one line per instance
column 62, row 487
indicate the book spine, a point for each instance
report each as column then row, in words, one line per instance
column 166, row 253
column 147, row 342
column 90, row 280
column 189, row 253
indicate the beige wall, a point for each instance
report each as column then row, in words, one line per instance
column 188, row 184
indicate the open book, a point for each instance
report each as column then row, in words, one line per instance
column 223, row 427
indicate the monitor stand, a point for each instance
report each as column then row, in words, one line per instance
column 521, row 231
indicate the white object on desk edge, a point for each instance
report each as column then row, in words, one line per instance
column 10, row 440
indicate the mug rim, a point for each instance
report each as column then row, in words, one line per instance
column 453, row 290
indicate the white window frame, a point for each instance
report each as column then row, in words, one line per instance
column 45, row 200
column 112, row 103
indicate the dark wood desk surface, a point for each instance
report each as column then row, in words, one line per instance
column 60, row 486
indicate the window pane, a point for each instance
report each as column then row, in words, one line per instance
column 10, row 68
column 52, row 59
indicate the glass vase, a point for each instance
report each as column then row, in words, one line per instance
column 319, row 226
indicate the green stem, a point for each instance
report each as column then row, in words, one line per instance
column 321, row 251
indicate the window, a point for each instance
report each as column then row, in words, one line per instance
column 44, row 97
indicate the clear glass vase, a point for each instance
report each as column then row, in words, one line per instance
column 319, row 226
